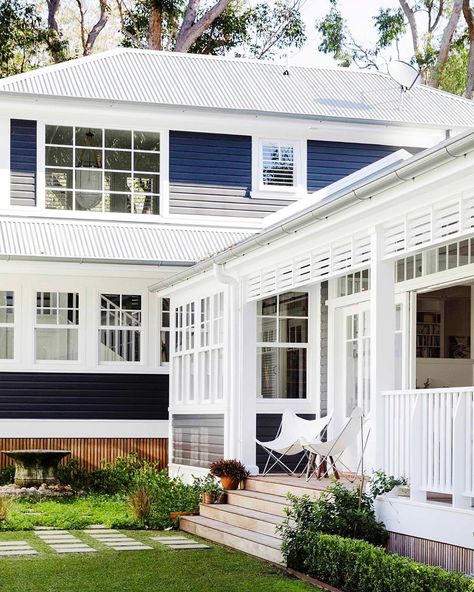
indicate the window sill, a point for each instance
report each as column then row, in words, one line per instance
column 276, row 193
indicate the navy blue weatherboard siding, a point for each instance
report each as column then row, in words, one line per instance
column 51, row 395
column 23, row 162
column 330, row 161
column 267, row 428
column 211, row 175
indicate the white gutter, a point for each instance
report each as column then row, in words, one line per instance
column 423, row 162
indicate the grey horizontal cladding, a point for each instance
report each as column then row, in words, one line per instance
column 54, row 395
column 198, row 440
column 328, row 162
column 267, row 428
column 211, row 175
column 210, row 201
column 23, row 162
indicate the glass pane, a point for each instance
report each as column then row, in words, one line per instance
column 118, row 182
column 59, row 200
column 293, row 331
column 147, row 141
column 266, row 329
column 294, row 304
column 119, row 345
column 118, row 202
column 131, row 302
column 365, row 280
column 110, row 301
column 400, row 270
column 61, row 157
column 118, row 139
column 352, row 354
column 146, row 204
column 292, row 373
column 88, row 158
column 90, row 137
column 464, row 252
column 442, row 259
column 59, row 178
column 267, row 306
column 118, row 160
column 143, row 183
column 146, row 161
column 164, row 347
column 410, row 268
column 452, row 255
column 89, row 179
column 58, row 134
column 56, row 344
column 6, row 343
column 267, row 376
column 6, row 298
column 365, row 376
column 90, row 202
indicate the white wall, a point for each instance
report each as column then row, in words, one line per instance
column 444, row 372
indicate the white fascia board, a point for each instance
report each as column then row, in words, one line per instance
column 93, row 112
column 83, row 428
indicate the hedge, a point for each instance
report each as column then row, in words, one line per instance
column 354, row 565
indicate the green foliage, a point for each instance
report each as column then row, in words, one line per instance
column 357, row 566
column 390, row 24
column 6, row 475
column 23, row 37
column 229, row 468
column 381, row 483
column 339, row 510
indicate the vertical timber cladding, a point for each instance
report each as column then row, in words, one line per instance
column 23, row 162
column 267, row 428
column 198, row 440
column 91, row 452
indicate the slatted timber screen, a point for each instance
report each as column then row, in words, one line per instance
column 91, row 452
column 432, row 552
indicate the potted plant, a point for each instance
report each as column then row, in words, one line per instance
column 231, row 472
column 209, row 487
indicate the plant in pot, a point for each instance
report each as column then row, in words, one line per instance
column 210, row 489
column 231, row 472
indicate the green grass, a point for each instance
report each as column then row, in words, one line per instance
column 74, row 513
column 215, row 570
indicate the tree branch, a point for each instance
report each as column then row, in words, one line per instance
column 445, row 43
column 97, row 28
column 469, row 17
column 191, row 28
column 409, row 13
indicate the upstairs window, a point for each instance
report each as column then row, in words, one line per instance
column 102, row 170
column 120, row 333
column 278, row 164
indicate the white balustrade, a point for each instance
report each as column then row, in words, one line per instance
column 429, row 439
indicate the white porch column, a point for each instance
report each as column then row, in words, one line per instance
column 382, row 345
column 240, row 364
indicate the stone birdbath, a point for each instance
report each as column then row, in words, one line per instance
column 35, row 467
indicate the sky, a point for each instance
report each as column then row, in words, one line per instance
column 358, row 14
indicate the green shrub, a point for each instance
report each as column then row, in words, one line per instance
column 6, row 475
column 339, row 510
column 357, row 566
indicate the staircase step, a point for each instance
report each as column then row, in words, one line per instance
column 260, row 502
column 283, row 485
column 253, row 543
column 243, row 518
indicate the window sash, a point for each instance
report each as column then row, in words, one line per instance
column 120, row 331
column 278, row 164
column 56, row 326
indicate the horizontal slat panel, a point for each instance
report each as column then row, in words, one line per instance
column 23, row 162
column 198, row 440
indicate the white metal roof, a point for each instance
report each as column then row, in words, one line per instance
column 31, row 238
column 184, row 80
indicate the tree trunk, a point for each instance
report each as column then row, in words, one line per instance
column 97, row 28
column 155, row 26
column 446, row 40
column 469, row 16
column 413, row 26
column 191, row 29
column 54, row 37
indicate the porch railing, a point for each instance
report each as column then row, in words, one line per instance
column 429, row 439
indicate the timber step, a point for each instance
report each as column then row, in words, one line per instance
column 252, row 520
column 254, row 543
column 281, row 486
column 255, row 500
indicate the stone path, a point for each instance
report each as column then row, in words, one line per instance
column 16, row 548
column 62, row 541
column 179, row 542
column 116, row 540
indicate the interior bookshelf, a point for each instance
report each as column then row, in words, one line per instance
column 428, row 335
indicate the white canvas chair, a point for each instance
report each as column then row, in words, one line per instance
column 287, row 441
column 330, row 452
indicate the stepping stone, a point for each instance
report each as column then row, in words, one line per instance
column 96, row 527
column 190, row 546
column 103, row 531
column 169, row 539
column 64, row 541
column 109, row 537
column 77, row 549
column 13, row 544
column 133, row 548
column 51, row 532
column 46, row 528
column 19, row 552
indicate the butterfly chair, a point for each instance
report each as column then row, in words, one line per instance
column 287, row 441
column 330, row 452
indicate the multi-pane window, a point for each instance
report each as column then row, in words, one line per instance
column 278, row 164
column 120, row 333
column 353, row 283
column 57, row 326
column 357, row 360
column 165, row 331
column 102, row 170
column 282, row 342
column 7, row 319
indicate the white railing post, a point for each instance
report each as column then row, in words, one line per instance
column 460, row 435
column 415, row 478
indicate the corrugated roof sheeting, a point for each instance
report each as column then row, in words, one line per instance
column 105, row 241
column 202, row 81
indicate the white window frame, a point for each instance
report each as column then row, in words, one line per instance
column 12, row 326
column 140, row 328
column 164, row 330
column 299, row 169
column 37, row 325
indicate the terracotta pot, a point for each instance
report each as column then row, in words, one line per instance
column 207, row 498
column 229, row 483
column 176, row 515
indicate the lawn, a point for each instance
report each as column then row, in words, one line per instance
column 215, row 570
